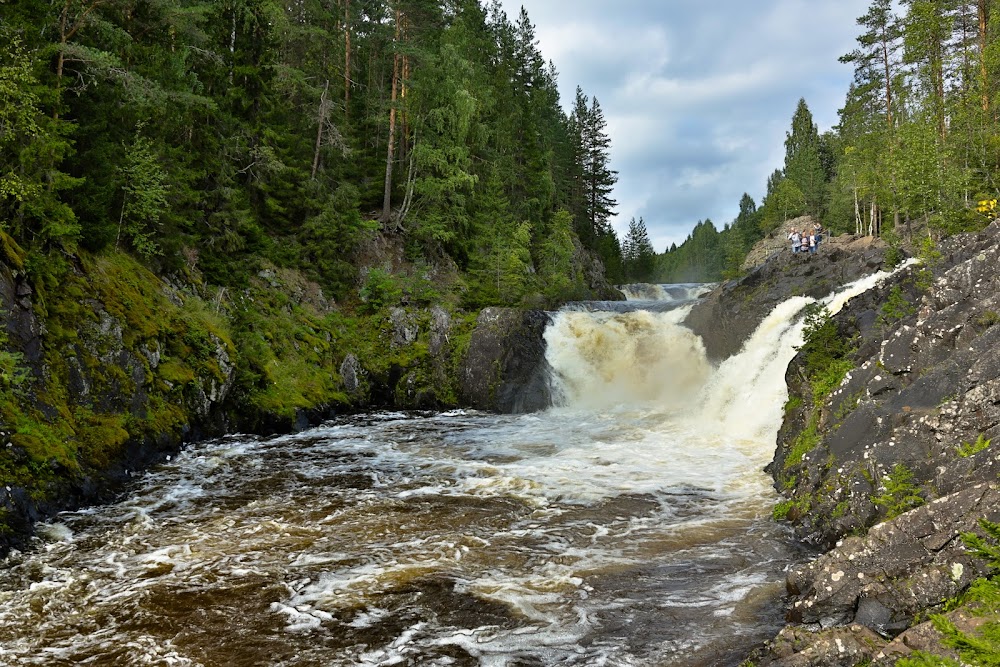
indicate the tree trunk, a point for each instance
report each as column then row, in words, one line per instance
column 390, row 154
column 984, row 81
column 320, row 122
column 887, row 65
column 858, row 222
column 347, row 58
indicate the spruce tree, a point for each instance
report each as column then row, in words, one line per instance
column 803, row 165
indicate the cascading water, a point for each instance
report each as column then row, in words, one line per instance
column 627, row 525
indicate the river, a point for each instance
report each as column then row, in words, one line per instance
column 629, row 524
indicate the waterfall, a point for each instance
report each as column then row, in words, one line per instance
column 661, row 292
column 640, row 358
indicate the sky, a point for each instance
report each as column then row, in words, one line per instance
column 698, row 95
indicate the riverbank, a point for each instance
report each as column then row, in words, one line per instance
column 107, row 368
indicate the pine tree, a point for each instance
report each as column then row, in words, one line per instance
column 637, row 252
column 876, row 61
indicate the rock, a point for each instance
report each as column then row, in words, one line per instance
column 727, row 316
column 901, row 568
column 351, row 374
column 926, row 638
column 440, row 328
column 927, row 386
column 839, row 647
column 505, row 368
column 404, row 328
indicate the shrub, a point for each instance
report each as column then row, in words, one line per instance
column 967, row 449
column 899, row 492
column 380, row 290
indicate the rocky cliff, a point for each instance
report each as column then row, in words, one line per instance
column 727, row 316
column 893, row 466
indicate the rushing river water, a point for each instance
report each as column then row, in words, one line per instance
column 629, row 525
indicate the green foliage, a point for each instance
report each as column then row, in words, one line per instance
column 144, row 196
column 555, row 259
column 804, row 186
column 979, row 650
column 781, row 510
column 806, row 441
column 13, row 374
column 894, row 253
column 899, row 493
column 987, row 319
column 785, row 202
column 825, row 351
column 924, row 659
column 380, row 290
column 699, row 259
column 895, row 308
column 638, row 255
column 967, row 449
column 985, row 547
column 983, row 594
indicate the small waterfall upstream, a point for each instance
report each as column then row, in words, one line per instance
column 627, row 525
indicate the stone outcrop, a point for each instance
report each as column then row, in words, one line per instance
column 901, row 463
column 505, row 369
column 900, row 568
column 729, row 314
column 120, row 368
column 104, row 405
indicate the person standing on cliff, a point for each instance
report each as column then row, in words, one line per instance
column 796, row 240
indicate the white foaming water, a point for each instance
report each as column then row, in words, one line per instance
column 604, row 360
column 664, row 292
column 623, row 527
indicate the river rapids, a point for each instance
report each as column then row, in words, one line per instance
column 629, row 524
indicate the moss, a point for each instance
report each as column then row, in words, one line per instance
column 807, row 440
column 781, row 510
column 988, row 319
column 44, row 442
column 100, row 437
column 13, row 254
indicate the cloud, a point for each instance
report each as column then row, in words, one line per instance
column 697, row 96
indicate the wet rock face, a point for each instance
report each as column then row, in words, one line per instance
column 505, row 368
column 730, row 313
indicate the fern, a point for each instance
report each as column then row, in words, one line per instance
column 987, row 549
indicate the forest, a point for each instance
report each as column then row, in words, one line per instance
column 207, row 137
column 917, row 145
column 419, row 148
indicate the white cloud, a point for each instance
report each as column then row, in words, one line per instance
column 698, row 96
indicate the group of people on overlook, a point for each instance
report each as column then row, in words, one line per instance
column 806, row 240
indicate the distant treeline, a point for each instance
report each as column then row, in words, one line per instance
column 207, row 136
column 917, row 143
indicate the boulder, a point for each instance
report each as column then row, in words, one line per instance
column 505, row 369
